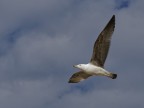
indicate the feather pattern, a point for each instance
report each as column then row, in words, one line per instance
column 102, row 44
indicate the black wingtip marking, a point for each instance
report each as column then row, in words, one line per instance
column 114, row 76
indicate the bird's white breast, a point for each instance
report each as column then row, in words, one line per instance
column 94, row 69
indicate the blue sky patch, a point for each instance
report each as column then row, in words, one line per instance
column 120, row 4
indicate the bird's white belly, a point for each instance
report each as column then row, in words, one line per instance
column 92, row 69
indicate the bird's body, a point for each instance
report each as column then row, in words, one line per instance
column 93, row 70
column 100, row 50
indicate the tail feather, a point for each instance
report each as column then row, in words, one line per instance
column 113, row 76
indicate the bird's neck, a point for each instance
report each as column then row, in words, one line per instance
column 84, row 66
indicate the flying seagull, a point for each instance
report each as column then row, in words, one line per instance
column 100, row 50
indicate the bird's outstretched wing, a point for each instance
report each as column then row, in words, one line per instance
column 78, row 76
column 102, row 44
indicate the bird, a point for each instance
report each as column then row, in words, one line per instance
column 100, row 51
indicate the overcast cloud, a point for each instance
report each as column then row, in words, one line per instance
column 40, row 40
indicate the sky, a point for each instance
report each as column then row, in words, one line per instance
column 41, row 40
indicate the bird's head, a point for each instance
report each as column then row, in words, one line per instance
column 79, row 66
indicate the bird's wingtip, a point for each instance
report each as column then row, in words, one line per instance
column 113, row 17
column 70, row 81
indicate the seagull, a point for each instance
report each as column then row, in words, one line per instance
column 100, row 51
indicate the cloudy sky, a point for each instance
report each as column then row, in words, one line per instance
column 40, row 40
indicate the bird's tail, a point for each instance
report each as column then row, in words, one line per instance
column 113, row 75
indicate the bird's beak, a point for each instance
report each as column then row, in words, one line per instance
column 74, row 66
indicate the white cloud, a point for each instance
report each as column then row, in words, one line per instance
column 29, row 93
column 35, row 67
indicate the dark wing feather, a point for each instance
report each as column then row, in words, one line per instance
column 78, row 76
column 102, row 44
